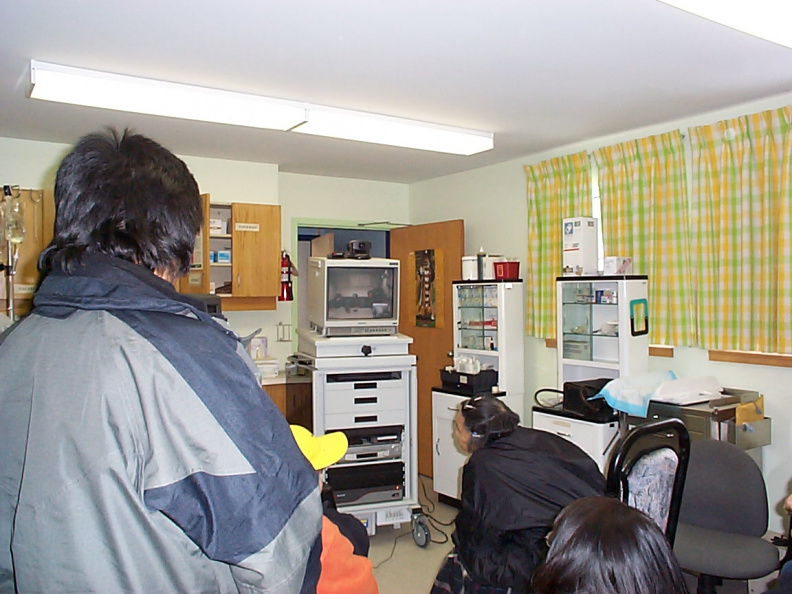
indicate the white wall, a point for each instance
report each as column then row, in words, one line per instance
column 493, row 202
column 32, row 164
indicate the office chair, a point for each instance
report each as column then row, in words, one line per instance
column 723, row 517
column 647, row 471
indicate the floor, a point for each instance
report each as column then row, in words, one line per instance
column 400, row 565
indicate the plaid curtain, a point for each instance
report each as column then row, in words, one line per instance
column 643, row 195
column 557, row 189
column 741, row 204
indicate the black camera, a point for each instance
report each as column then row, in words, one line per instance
column 358, row 249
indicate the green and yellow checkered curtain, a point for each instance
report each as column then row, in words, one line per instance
column 643, row 196
column 557, row 189
column 741, row 205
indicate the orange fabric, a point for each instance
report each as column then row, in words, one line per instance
column 343, row 572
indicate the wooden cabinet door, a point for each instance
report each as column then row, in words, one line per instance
column 197, row 280
column 256, row 248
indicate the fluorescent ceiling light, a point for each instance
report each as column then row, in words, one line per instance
column 77, row 86
column 366, row 127
column 64, row 84
column 768, row 19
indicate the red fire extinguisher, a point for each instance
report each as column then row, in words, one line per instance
column 286, row 282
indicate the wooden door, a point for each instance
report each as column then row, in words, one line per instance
column 444, row 244
column 255, row 250
column 323, row 245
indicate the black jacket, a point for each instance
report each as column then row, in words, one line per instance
column 512, row 490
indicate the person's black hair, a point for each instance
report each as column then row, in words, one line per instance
column 128, row 197
column 487, row 418
column 599, row 544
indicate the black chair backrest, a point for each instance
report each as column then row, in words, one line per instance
column 725, row 490
column 647, row 440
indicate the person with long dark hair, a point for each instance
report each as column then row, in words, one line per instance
column 513, row 486
column 599, row 544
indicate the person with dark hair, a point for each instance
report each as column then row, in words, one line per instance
column 139, row 453
column 513, row 486
column 599, row 544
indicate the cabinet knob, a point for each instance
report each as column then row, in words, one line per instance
column 450, row 354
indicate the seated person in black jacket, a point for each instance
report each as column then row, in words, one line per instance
column 513, row 485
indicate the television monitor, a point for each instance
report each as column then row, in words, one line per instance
column 349, row 297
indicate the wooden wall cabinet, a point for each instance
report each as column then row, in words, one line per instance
column 246, row 248
column 39, row 217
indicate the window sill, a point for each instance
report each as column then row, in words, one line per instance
column 751, row 358
column 744, row 357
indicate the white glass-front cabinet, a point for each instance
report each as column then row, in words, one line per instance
column 603, row 326
column 489, row 326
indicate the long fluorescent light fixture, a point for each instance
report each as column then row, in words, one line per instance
column 365, row 127
column 768, row 19
column 78, row 86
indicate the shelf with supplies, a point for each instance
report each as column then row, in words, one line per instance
column 603, row 326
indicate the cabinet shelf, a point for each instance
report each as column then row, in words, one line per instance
column 596, row 333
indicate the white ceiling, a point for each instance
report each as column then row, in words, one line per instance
column 538, row 74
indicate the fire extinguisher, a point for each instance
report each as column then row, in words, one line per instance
column 286, row 282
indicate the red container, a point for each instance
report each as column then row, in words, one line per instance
column 507, row 270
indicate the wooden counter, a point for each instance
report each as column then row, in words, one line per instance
column 293, row 398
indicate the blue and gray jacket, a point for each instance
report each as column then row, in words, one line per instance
column 139, row 454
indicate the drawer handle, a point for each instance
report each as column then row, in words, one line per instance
column 366, row 419
column 366, row 386
column 437, row 446
column 366, row 400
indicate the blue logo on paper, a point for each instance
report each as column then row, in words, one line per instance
column 568, row 229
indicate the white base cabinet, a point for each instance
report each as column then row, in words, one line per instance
column 447, row 458
column 596, row 439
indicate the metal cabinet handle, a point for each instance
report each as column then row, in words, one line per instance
column 562, row 434
column 437, row 446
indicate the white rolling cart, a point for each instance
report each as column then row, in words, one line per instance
column 366, row 387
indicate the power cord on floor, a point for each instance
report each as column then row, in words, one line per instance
column 428, row 508
column 393, row 549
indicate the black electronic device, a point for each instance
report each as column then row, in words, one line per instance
column 358, row 249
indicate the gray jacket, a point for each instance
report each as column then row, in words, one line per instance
column 139, row 454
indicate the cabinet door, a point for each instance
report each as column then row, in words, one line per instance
column 38, row 218
column 256, row 241
column 197, row 280
column 447, row 459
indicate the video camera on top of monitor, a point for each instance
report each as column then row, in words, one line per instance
column 358, row 250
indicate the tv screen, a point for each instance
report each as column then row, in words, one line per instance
column 360, row 293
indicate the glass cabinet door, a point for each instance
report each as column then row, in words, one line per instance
column 590, row 321
column 477, row 315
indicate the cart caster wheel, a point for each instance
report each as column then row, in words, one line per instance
column 420, row 532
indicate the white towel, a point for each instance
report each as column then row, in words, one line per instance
column 631, row 394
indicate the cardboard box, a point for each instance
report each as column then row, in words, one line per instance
column 217, row 227
column 616, row 265
column 580, row 246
